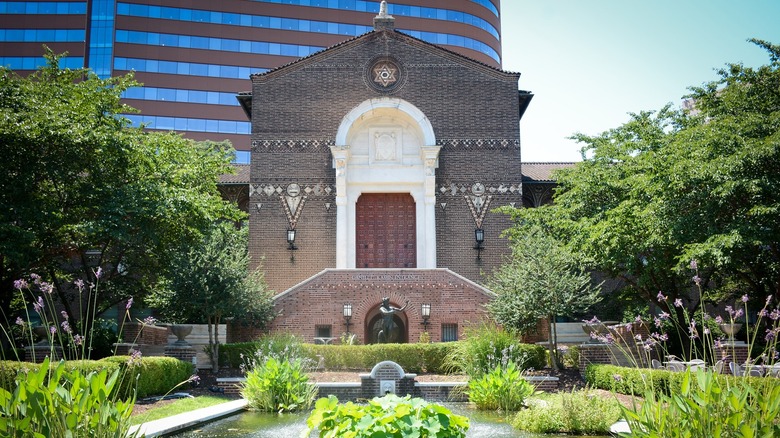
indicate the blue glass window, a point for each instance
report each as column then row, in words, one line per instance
column 33, row 63
column 189, row 124
column 307, row 25
column 39, row 8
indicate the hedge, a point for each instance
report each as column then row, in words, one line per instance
column 625, row 380
column 154, row 375
column 413, row 358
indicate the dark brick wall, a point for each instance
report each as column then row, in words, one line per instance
column 297, row 110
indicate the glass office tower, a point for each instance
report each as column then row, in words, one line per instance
column 194, row 56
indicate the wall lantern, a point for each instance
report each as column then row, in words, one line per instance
column 291, row 239
column 347, row 315
column 479, row 236
column 425, row 311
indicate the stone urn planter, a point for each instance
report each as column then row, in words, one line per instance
column 181, row 331
column 730, row 330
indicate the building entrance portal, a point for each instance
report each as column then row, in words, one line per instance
column 385, row 231
column 398, row 333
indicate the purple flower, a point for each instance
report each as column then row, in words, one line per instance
column 21, row 284
column 135, row 357
column 678, row 302
column 99, row 272
column 657, row 322
column 78, row 339
column 194, row 379
column 638, row 318
column 53, row 329
column 150, row 320
column 694, row 266
column 706, row 330
column 79, row 283
column 664, row 315
column 697, row 280
column 19, row 321
column 775, row 315
column 129, row 303
column 718, row 344
column 719, row 319
column 38, row 305
column 46, row 288
column 592, row 321
column 770, row 335
column 35, row 278
column 763, row 313
column 739, row 313
column 660, row 297
column 745, row 298
column 730, row 310
column 64, row 315
column 66, row 327
column 617, row 377
column 768, row 300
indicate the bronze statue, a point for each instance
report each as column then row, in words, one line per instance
column 387, row 319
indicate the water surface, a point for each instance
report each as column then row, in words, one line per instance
column 263, row 425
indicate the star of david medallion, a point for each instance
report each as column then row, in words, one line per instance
column 385, row 73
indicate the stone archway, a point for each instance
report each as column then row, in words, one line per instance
column 373, row 324
column 385, row 145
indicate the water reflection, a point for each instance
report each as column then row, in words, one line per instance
column 262, row 425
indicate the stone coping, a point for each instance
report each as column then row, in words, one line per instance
column 165, row 426
column 440, row 384
column 338, row 384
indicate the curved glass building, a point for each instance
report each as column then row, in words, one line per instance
column 194, row 56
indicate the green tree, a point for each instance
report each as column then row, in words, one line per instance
column 542, row 279
column 210, row 281
column 81, row 189
column 672, row 186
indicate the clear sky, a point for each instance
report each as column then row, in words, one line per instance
column 591, row 62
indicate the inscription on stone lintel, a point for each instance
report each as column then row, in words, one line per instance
column 387, row 277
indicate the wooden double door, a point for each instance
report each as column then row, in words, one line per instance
column 386, row 231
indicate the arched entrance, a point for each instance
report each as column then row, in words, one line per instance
column 385, row 145
column 386, row 231
column 399, row 333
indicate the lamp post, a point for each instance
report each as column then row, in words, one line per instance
column 425, row 311
column 479, row 236
column 347, row 315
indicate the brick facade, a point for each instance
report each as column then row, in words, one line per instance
column 319, row 301
column 297, row 110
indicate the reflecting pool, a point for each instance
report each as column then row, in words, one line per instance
column 263, row 425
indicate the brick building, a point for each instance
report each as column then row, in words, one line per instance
column 376, row 166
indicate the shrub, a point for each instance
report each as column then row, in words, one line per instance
column 711, row 405
column 388, row 416
column 232, row 355
column 59, row 402
column 502, row 389
column 579, row 413
column 488, row 346
column 279, row 386
column 150, row 375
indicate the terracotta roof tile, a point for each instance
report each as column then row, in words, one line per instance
column 240, row 177
column 541, row 172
